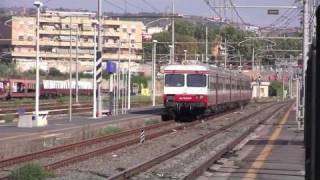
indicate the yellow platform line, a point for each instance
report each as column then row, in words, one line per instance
column 259, row 161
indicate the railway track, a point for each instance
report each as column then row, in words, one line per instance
column 211, row 160
column 54, row 110
column 142, row 167
column 13, row 105
column 46, row 107
column 135, row 132
column 131, row 171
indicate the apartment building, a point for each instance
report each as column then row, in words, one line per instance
column 61, row 30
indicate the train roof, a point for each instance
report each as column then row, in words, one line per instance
column 202, row 68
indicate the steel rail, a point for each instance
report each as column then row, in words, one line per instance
column 205, row 165
column 85, row 156
column 60, row 149
column 163, row 157
column 111, row 148
column 107, row 149
column 46, row 107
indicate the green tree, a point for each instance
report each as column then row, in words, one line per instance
column 55, row 72
column 276, row 88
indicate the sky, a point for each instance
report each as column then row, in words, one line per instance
column 254, row 16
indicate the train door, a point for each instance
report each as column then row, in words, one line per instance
column 211, row 89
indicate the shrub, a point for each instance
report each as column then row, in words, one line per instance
column 8, row 118
column 30, row 172
column 276, row 88
column 55, row 72
column 7, row 70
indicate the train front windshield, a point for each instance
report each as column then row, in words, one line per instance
column 196, row 80
column 174, row 80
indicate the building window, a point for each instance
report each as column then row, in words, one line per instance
column 85, row 39
column 133, row 31
column 132, row 41
column 21, row 37
column 124, row 30
column 30, row 38
column 21, row 23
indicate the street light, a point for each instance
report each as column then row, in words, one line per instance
column 129, row 74
column 37, row 4
column 94, row 23
column 171, row 58
column 154, row 72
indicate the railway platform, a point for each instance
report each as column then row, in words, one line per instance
column 60, row 124
column 274, row 152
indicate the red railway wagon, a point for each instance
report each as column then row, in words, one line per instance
column 24, row 88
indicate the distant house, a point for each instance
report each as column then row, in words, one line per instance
column 260, row 89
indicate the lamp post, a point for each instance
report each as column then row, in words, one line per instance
column 94, row 114
column 154, row 72
column 170, row 51
column 77, row 71
column 185, row 54
column 129, row 74
column 70, row 71
column 37, row 4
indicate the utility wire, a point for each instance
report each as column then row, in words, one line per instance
column 133, row 5
column 211, row 7
column 115, row 5
column 150, row 5
column 237, row 13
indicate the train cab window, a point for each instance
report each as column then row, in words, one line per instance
column 174, row 80
column 196, row 80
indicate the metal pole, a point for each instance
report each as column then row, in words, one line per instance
column 185, row 55
column 70, row 74
column 111, row 92
column 129, row 74
column 225, row 55
column 240, row 61
column 114, row 93
column 37, row 4
column 94, row 114
column 206, row 44
column 282, row 85
column 125, row 91
column 306, row 41
column 122, row 92
column 154, row 73
column 77, row 72
column 100, row 21
column 252, row 60
column 173, row 35
column 118, row 78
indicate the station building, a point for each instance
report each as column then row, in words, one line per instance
column 59, row 30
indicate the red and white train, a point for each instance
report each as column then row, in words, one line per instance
column 198, row 89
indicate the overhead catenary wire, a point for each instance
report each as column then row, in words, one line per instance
column 150, row 5
column 212, row 7
column 133, row 5
column 115, row 5
column 236, row 12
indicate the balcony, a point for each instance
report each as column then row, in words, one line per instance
column 106, row 56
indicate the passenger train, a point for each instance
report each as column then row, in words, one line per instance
column 199, row 89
